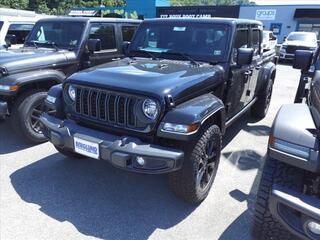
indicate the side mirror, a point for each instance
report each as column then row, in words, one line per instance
column 302, row 59
column 125, row 46
column 10, row 39
column 273, row 38
column 244, row 56
column 94, row 45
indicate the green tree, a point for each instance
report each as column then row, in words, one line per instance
column 16, row 4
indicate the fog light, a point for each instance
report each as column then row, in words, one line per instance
column 140, row 161
column 314, row 227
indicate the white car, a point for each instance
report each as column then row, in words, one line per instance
column 269, row 41
column 298, row 41
column 15, row 25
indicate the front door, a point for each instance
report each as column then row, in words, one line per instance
column 239, row 80
column 110, row 49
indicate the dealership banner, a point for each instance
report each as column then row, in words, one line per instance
column 198, row 12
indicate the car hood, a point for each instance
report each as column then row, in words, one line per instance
column 157, row 78
column 300, row 43
column 25, row 59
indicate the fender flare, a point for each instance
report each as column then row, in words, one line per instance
column 267, row 73
column 197, row 110
column 23, row 79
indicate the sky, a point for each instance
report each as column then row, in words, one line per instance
column 276, row 2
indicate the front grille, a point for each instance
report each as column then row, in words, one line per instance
column 106, row 107
column 292, row 49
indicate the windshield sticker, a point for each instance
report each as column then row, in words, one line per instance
column 179, row 29
column 217, row 52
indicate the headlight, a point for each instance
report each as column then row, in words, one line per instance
column 8, row 88
column 72, row 92
column 290, row 148
column 180, row 128
column 150, row 109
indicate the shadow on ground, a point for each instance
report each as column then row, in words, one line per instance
column 99, row 200
column 9, row 140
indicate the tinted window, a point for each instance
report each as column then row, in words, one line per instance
column 127, row 32
column 201, row 41
column 21, row 31
column 104, row 32
column 1, row 24
column 256, row 39
column 60, row 34
column 242, row 39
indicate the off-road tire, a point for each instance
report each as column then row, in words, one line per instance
column 265, row 226
column 68, row 153
column 261, row 106
column 184, row 181
column 20, row 112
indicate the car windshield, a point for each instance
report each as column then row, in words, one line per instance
column 301, row 37
column 183, row 41
column 56, row 34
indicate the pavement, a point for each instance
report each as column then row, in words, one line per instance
column 44, row 195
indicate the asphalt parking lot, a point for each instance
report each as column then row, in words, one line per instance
column 44, row 195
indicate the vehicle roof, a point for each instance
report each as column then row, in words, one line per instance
column 231, row 21
column 90, row 19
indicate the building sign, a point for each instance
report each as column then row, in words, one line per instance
column 266, row 14
column 198, row 12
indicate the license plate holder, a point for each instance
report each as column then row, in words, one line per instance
column 87, row 148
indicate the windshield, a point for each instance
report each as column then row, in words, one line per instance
column 174, row 40
column 302, row 37
column 56, row 34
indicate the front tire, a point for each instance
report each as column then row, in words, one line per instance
column 265, row 226
column 25, row 116
column 193, row 181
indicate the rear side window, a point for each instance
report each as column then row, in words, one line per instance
column 127, row 32
column 20, row 31
column 104, row 32
column 242, row 39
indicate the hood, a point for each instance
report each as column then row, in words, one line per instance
column 157, row 78
column 25, row 59
column 301, row 43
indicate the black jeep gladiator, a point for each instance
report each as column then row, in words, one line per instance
column 54, row 49
column 165, row 107
column 288, row 199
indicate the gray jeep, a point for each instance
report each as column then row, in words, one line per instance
column 288, row 199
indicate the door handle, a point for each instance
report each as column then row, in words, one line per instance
column 248, row 73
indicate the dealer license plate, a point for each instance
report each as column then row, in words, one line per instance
column 86, row 148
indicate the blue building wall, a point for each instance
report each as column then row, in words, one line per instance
column 284, row 17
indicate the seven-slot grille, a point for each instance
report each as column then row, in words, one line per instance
column 107, row 107
column 292, row 49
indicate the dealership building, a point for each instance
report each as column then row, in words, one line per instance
column 280, row 19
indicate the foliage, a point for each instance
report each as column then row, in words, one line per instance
column 57, row 7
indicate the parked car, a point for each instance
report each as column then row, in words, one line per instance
column 15, row 25
column 269, row 41
column 165, row 108
column 54, row 49
column 297, row 41
column 288, row 199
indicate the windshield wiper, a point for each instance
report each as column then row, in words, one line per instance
column 36, row 44
column 153, row 57
column 185, row 56
column 53, row 44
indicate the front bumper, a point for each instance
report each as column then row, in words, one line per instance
column 3, row 109
column 283, row 198
column 120, row 151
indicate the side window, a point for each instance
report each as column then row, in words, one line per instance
column 256, row 40
column 127, row 32
column 104, row 32
column 242, row 39
column 20, row 31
